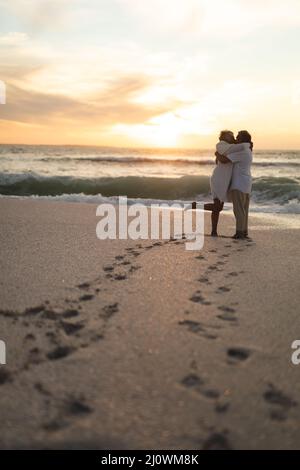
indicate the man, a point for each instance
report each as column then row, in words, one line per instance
column 241, row 183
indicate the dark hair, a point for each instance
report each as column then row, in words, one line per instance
column 245, row 137
column 223, row 134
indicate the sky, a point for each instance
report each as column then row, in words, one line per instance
column 140, row 73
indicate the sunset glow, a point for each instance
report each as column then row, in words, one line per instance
column 164, row 73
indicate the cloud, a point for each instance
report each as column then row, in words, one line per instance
column 81, row 85
column 212, row 18
column 112, row 106
column 164, row 65
column 189, row 18
column 13, row 39
column 38, row 15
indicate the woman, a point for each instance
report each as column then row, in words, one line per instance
column 220, row 181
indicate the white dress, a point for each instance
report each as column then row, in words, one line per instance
column 222, row 174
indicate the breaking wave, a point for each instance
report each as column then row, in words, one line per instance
column 265, row 189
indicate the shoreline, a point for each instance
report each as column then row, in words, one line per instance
column 284, row 219
column 141, row 344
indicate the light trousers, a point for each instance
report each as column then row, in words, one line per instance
column 241, row 209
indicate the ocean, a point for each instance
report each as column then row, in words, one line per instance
column 97, row 174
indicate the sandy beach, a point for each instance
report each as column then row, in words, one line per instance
column 142, row 344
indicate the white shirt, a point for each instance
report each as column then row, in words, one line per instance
column 241, row 157
column 221, row 176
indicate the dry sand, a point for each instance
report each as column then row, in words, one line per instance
column 144, row 345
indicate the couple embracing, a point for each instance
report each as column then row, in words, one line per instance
column 231, row 180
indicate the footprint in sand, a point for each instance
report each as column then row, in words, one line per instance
column 134, row 268
column 86, row 297
column 213, row 267
column 77, row 406
column 34, row 310
column 222, row 289
column 209, row 336
column 84, row 285
column 226, row 309
column 236, row 354
column 120, row 277
column 108, row 268
column 41, row 389
column 29, row 337
column 110, row 310
column 200, row 257
column 5, row 376
column 217, row 441
column 199, row 299
column 52, row 336
column 55, row 425
column 196, row 383
column 71, row 328
column 71, row 408
column 281, row 403
column 211, row 393
column 59, row 353
column 50, row 315
column 228, row 314
column 232, row 274
column 196, row 327
column 193, row 326
column 70, row 313
column 204, row 280
column 192, row 381
column 222, row 407
column 227, row 317
column 35, row 356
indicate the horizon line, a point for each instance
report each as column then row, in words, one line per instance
column 145, row 147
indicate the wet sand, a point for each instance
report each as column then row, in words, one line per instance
column 144, row 345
